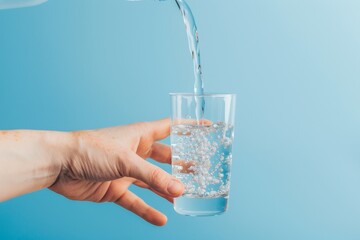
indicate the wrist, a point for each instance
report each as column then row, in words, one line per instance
column 61, row 147
column 31, row 160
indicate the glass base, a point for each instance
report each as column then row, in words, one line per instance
column 198, row 207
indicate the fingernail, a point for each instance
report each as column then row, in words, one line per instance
column 175, row 187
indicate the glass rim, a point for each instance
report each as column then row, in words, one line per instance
column 203, row 95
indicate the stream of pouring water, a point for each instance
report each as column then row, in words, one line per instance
column 193, row 40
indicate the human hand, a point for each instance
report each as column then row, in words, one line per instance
column 105, row 162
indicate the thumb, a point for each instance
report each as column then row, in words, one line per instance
column 152, row 175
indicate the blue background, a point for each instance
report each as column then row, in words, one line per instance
column 295, row 66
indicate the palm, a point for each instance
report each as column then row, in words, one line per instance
column 98, row 180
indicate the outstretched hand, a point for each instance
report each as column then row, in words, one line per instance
column 105, row 162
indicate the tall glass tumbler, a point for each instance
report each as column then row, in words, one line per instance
column 202, row 151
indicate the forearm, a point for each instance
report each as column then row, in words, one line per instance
column 31, row 160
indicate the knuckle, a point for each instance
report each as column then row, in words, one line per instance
column 134, row 205
column 143, row 129
column 123, row 165
column 119, row 199
column 168, row 158
column 158, row 178
column 146, row 213
column 124, row 154
column 142, row 125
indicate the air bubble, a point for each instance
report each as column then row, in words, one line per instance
column 206, row 160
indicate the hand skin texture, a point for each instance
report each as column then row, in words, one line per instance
column 94, row 165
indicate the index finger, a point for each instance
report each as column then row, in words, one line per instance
column 159, row 129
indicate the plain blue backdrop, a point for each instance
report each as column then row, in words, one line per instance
column 295, row 66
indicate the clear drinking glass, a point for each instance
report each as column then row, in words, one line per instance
column 202, row 151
